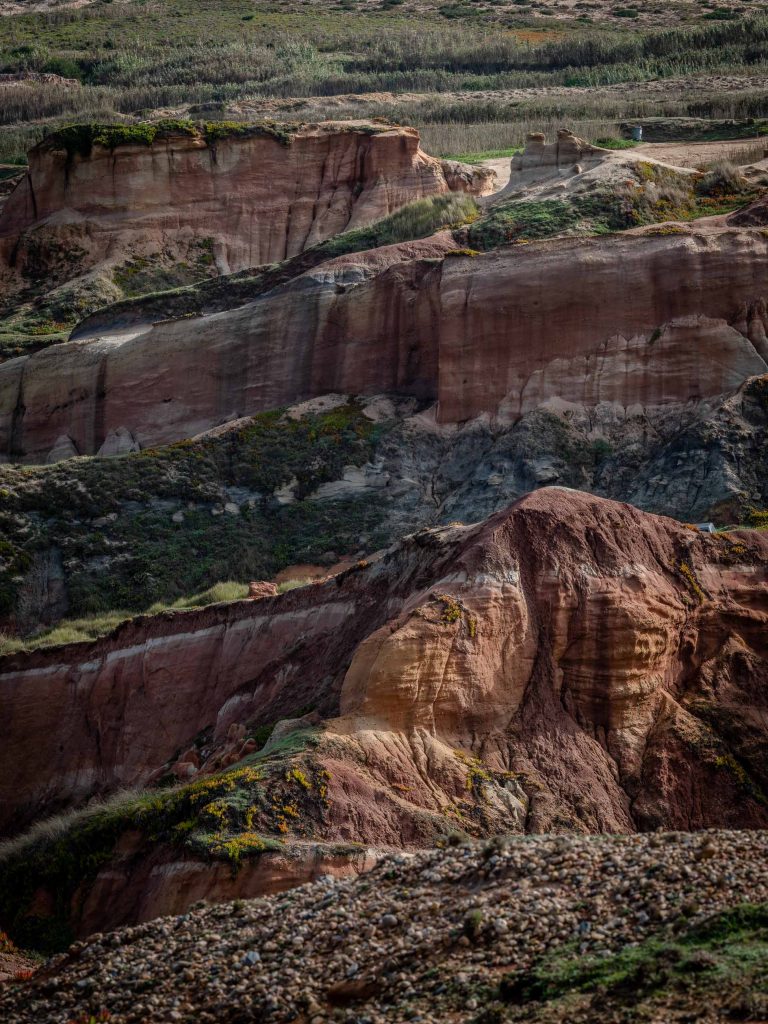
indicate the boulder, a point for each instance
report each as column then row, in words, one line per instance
column 118, row 442
column 63, row 448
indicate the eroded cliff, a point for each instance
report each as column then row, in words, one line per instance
column 635, row 320
column 571, row 662
column 261, row 193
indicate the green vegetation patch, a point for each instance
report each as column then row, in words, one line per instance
column 652, row 195
column 757, row 518
column 153, row 273
column 613, row 143
column 79, row 139
column 418, row 219
column 490, row 154
column 725, row 945
column 91, row 627
column 529, row 220
column 155, row 527
column 230, row 816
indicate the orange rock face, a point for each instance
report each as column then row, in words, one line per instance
column 636, row 320
column 610, row 665
column 256, row 199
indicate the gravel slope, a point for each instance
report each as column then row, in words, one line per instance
column 425, row 937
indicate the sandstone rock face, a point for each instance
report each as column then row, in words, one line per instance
column 255, row 199
column 636, row 320
column 584, row 321
column 605, row 669
column 565, row 152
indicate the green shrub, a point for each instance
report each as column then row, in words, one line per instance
column 612, row 143
column 757, row 518
column 418, row 219
column 529, row 220
column 722, row 178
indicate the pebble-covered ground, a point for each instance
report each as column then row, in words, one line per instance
column 426, row 937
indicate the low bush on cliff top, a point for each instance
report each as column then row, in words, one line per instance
column 529, row 220
column 81, row 138
column 722, row 177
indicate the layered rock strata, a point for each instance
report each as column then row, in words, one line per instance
column 257, row 196
column 635, row 320
column 601, row 668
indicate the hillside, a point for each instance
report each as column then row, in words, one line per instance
column 532, row 929
column 569, row 664
column 383, row 512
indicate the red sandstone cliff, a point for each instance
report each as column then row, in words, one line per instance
column 637, row 320
column 258, row 197
column 614, row 662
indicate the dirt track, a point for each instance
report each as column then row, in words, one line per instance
column 679, row 154
column 691, row 154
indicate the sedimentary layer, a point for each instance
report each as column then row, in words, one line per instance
column 257, row 196
column 636, row 320
column 612, row 663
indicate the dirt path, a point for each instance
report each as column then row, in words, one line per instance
column 502, row 167
column 679, row 154
column 691, row 154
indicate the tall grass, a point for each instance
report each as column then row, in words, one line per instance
column 202, row 51
column 229, row 590
column 458, row 139
column 91, row 627
column 50, row 829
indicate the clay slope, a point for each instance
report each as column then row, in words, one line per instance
column 569, row 663
column 257, row 194
column 636, row 320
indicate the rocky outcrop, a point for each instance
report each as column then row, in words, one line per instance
column 638, row 321
column 571, row 166
column 597, row 668
column 511, row 927
column 254, row 194
column 755, row 215
column 566, row 153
